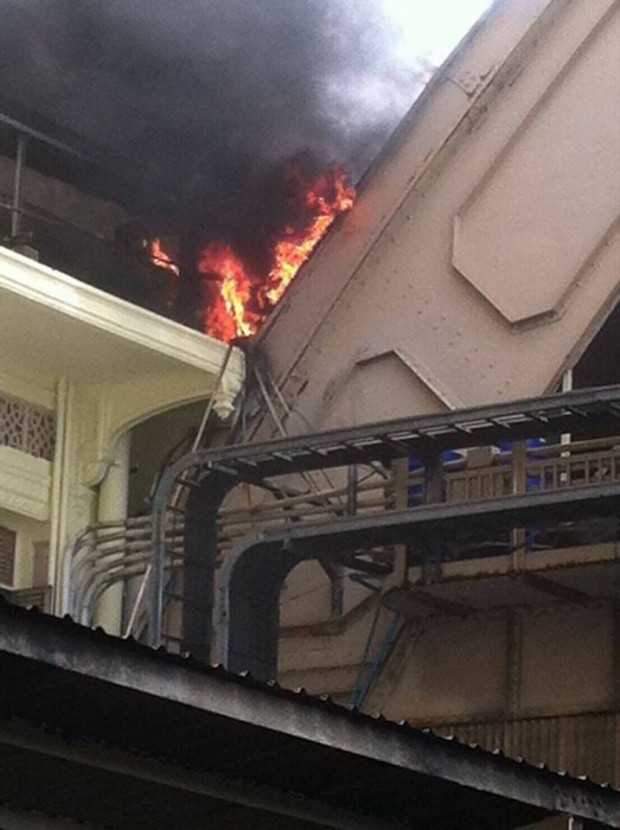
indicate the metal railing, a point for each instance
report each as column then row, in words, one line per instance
column 105, row 554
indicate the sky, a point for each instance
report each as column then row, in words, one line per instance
column 433, row 27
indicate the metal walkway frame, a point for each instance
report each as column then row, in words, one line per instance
column 215, row 472
column 249, row 583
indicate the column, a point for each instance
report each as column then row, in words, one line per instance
column 113, row 493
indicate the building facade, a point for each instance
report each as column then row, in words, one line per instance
column 479, row 265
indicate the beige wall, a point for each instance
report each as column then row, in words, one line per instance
column 484, row 251
column 458, row 670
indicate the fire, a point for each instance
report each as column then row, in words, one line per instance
column 243, row 299
column 160, row 258
column 229, row 316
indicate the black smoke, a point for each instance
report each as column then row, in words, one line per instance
column 191, row 87
column 205, row 100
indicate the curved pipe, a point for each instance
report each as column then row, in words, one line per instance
column 247, row 613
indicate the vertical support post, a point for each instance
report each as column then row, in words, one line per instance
column 519, row 483
column 351, row 489
column 155, row 606
column 616, row 654
column 514, row 649
column 616, row 684
column 58, row 502
column 200, row 550
column 20, row 160
column 575, row 823
column 113, row 495
column 567, row 386
column 434, row 483
column 400, row 473
column 434, row 492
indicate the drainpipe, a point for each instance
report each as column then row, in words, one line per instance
column 20, row 160
column 113, row 494
column 58, row 497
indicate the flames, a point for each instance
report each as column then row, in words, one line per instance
column 239, row 296
column 160, row 258
column 243, row 298
column 230, row 315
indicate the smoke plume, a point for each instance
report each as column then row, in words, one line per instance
column 208, row 99
column 203, row 87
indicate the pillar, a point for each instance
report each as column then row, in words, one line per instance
column 113, row 493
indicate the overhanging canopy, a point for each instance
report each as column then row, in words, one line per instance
column 117, row 733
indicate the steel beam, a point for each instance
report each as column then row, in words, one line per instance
column 14, row 819
column 16, row 209
column 365, row 531
column 405, row 600
column 554, row 589
column 596, row 410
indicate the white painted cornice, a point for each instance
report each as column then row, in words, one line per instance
column 54, row 290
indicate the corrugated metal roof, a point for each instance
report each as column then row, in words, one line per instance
column 88, row 686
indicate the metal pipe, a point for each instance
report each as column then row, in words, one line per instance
column 156, row 577
column 25, row 130
column 20, row 160
column 352, row 489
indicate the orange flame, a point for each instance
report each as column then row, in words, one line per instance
column 229, row 316
column 243, row 299
column 160, row 258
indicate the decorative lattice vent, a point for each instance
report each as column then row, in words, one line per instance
column 7, row 555
column 26, row 427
